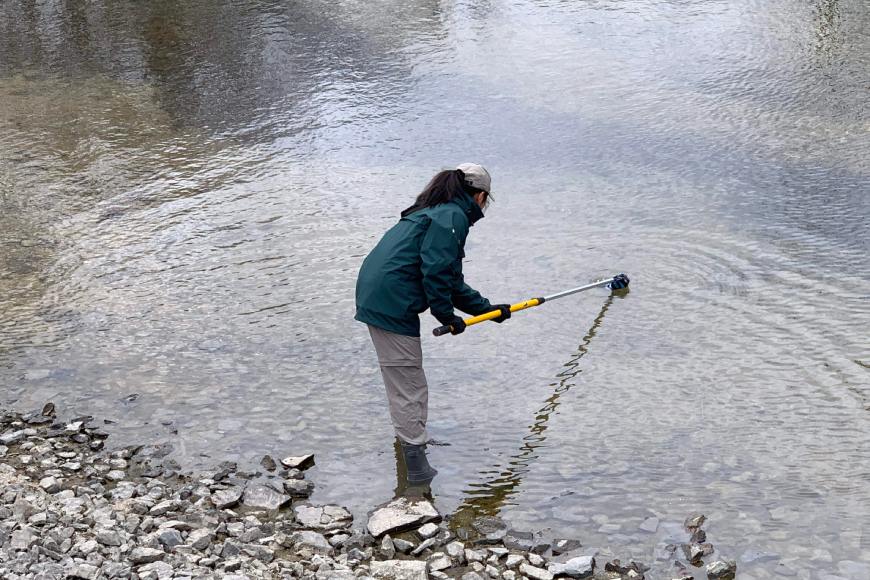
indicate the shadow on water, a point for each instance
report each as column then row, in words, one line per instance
column 489, row 497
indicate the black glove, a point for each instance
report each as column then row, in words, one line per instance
column 457, row 324
column 619, row 282
column 505, row 312
column 453, row 321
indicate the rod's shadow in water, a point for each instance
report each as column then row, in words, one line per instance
column 490, row 496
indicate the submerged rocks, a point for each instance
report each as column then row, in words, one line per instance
column 401, row 514
column 721, row 570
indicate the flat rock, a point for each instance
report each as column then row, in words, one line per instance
column 399, row 570
column 401, row 514
column 298, row 461
column 324, row 518
column 579, row 567
column 146, row 555
column 264, row 497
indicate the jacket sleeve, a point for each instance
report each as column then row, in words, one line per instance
column 469, row 300
column 439, row 253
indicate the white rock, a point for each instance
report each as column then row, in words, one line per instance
column 426, row 531
column 298, row 462
column 580, row 567
column 401, row 514
column 514, row 560
column 534, row 572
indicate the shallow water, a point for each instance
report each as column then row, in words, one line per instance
column 187, row 191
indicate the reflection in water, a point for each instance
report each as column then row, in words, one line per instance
column 489, row 497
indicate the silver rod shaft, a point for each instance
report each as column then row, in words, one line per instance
column 578, row 289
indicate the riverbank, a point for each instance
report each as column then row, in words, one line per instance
column 72, row 507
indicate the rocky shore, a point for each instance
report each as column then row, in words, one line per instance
column 72, row 508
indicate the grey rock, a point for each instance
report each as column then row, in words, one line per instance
column 475, row 555
column 535, row 573
column 264, row 497
column 516, row 540
column 313, row 541
column 22, row 539
column 401, row 514
column 403, row 546
column 227, row 498
column 579, row 567
column 169, row 538
column 399, row 570
column 387, row 549
column 298, row 487
column 721, row 570
column 146, row 555
column 109, row 538
column 84, row 571
column 49, row 484
column 200, row 539
column 472, row 576
column 11, row 437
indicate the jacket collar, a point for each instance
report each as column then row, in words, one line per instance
column 470, row 207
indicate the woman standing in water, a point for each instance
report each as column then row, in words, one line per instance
column 418, row 265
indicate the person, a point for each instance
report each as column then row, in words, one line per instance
column 417, row 265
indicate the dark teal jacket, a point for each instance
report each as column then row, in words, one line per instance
column 418, row 265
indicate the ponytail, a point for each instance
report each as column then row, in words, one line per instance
column 444, row 187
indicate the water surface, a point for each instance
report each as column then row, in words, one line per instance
column 188, row 189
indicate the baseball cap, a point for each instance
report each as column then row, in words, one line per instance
column 476, row 176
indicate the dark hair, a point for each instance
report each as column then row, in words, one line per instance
column 444, row 187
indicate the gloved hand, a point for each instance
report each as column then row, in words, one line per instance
column 619, row 282
column 456, row 323
column 505, row 312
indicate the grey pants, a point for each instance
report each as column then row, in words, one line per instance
column 401, row 360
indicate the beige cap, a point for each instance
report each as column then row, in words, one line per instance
column 476, row 176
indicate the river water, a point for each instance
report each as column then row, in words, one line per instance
column 188, row 189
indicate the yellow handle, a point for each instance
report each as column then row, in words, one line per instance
column 496, row 313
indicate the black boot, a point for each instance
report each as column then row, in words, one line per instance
column 419, row 470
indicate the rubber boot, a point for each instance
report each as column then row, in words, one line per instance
column 419, row 470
